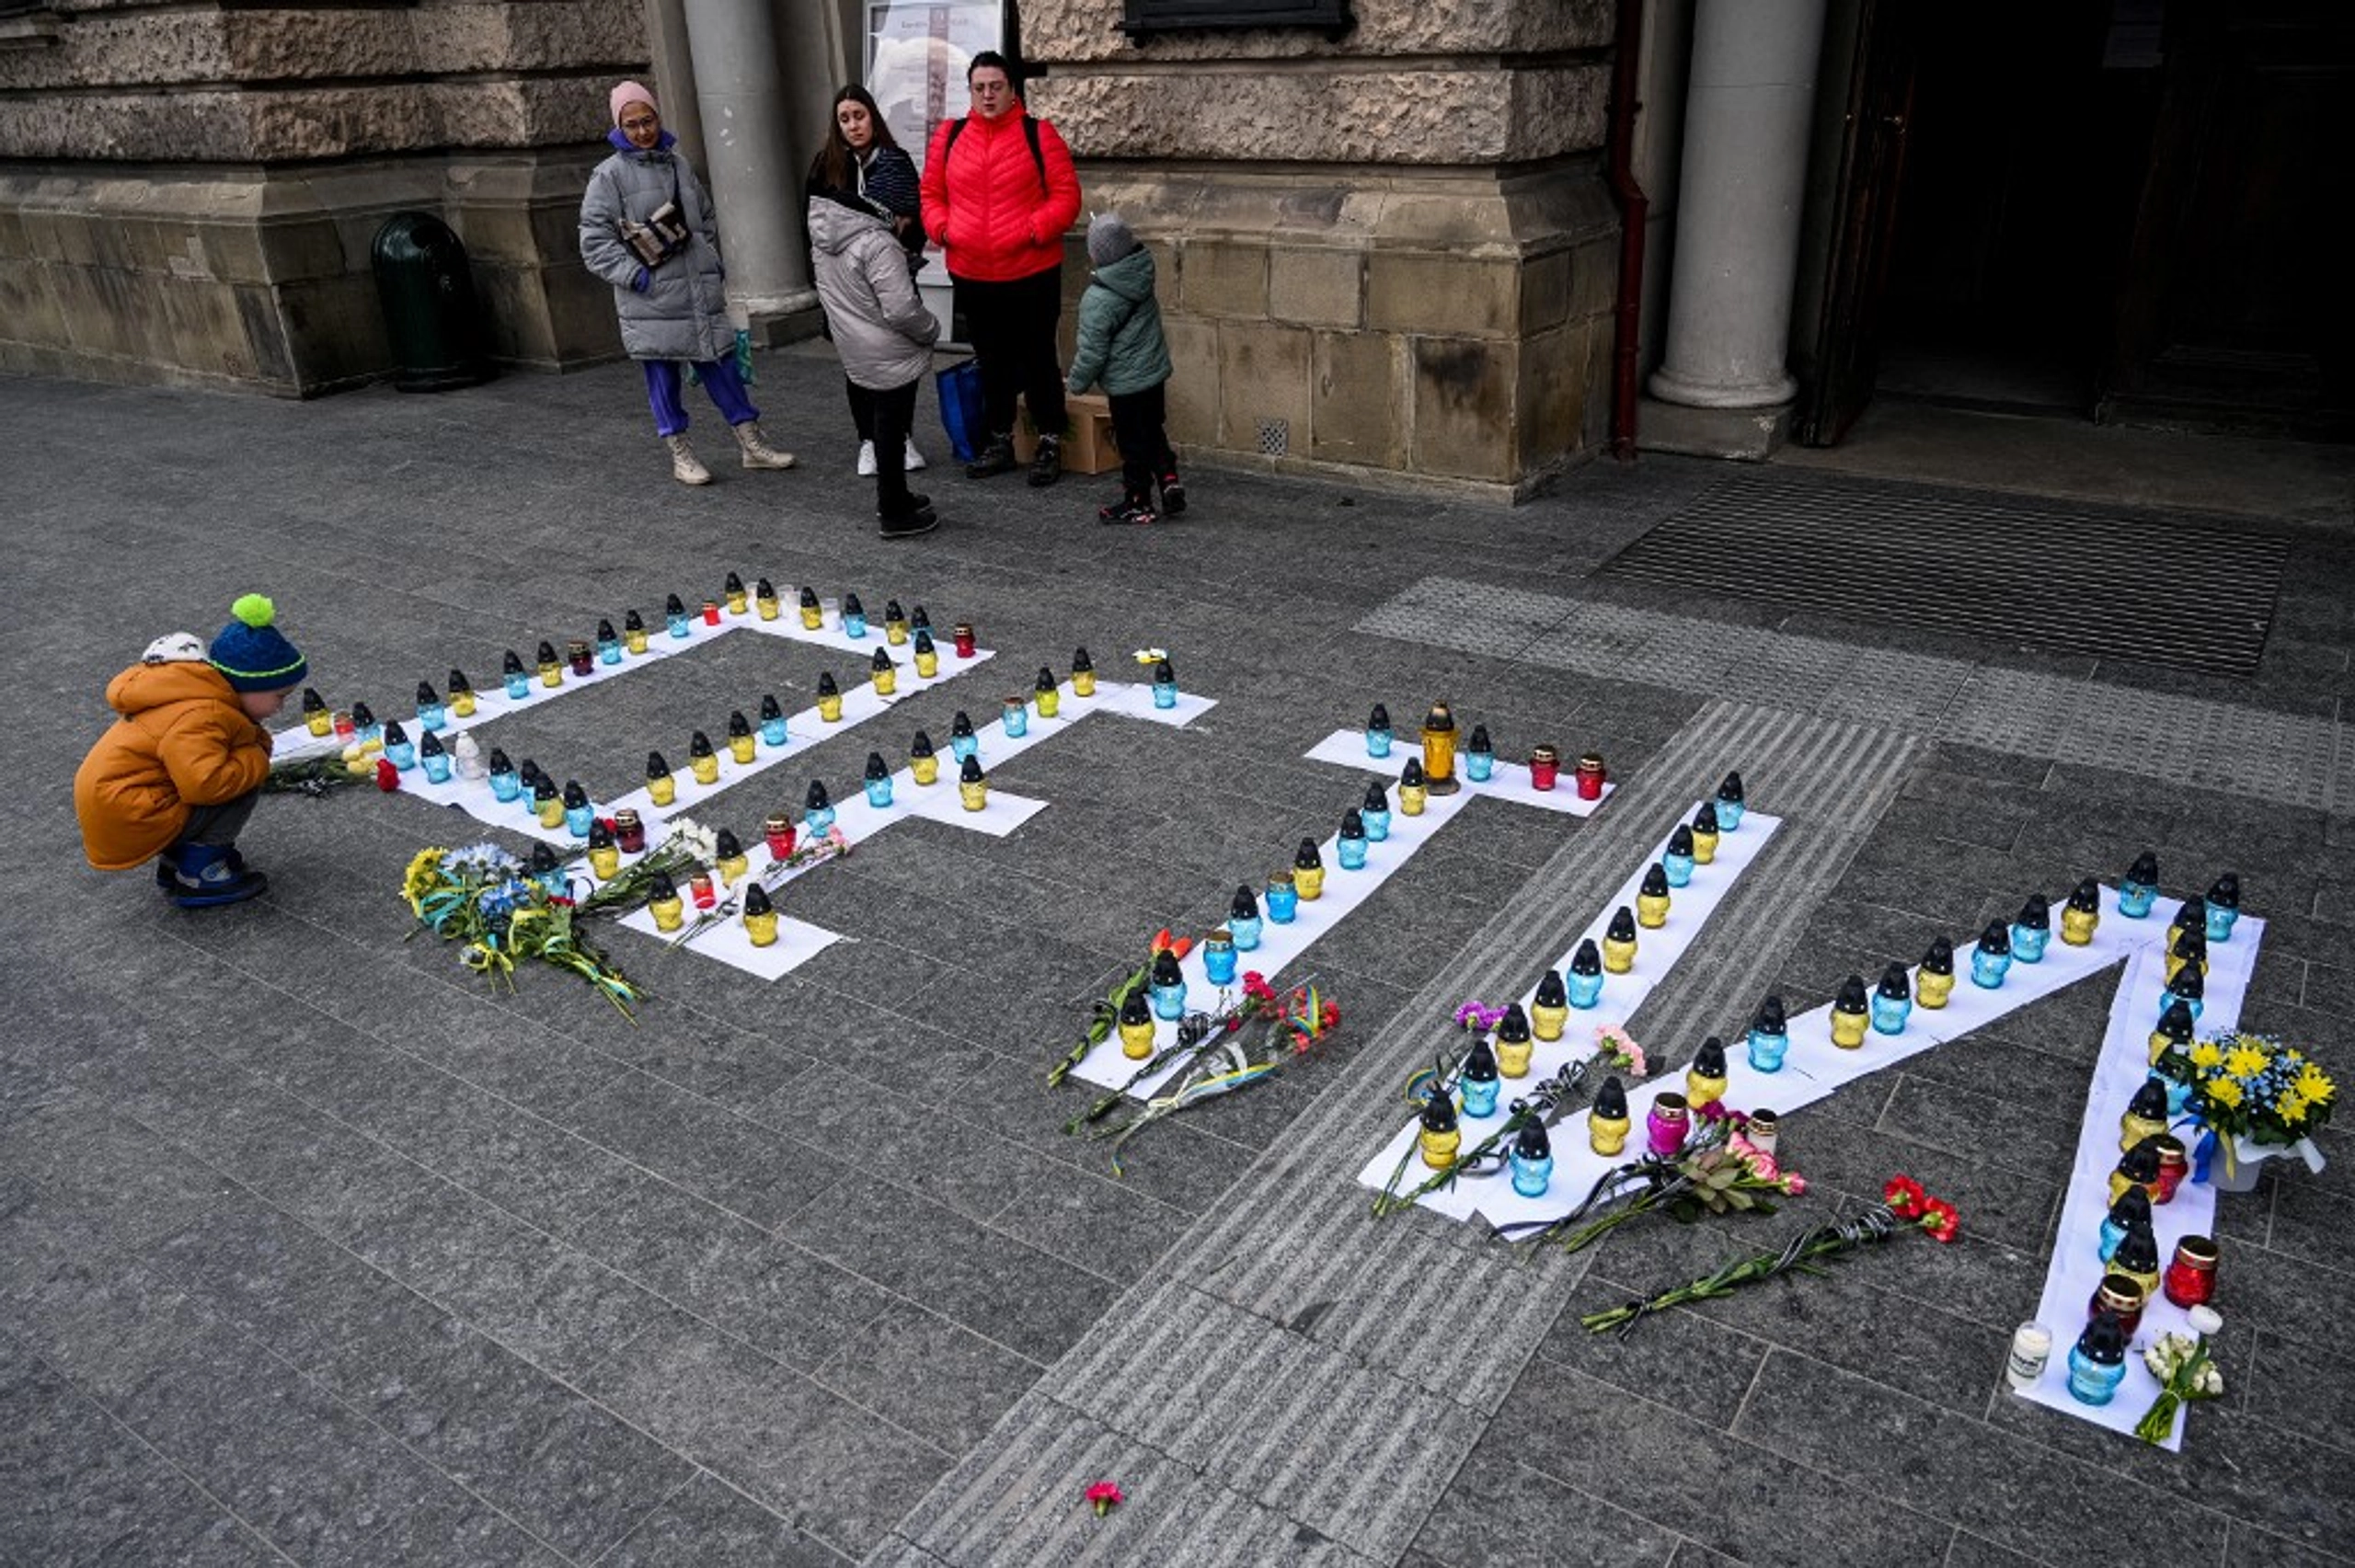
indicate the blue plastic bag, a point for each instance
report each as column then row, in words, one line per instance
column 961, row 413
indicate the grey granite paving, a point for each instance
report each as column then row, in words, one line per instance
column 314, row 1251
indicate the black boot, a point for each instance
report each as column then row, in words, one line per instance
column 996, row 458
column 908, row 521
column 1047, row 466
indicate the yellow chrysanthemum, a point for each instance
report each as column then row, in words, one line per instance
column 424, row 875
column 2291, row 1106
column 2316, row 1085
column 2226, row 1092
column 2206, row 1055
column 2244, row 1061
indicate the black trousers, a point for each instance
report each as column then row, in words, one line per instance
column 889, row 413
column 1138, row 421
column 1012, row 329
column 218, row 825
column 862, row 408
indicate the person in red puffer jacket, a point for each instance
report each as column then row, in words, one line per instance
column 999, row 191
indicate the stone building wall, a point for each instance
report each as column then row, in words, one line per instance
column 189, row 194
column 1391, row 254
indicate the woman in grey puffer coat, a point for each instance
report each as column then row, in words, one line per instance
column 675, row 309
column 883, row 333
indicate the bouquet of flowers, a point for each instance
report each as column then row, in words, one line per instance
column 504, row 914
column 688, row 846
column 2186, row 1372
column 1719, row 1170
column 2253, row 1086
column 1106, row 1013
column 1290, row 1023
column 828, row 845
column 316, row 775
column 1614, row 1051
column 1903, row 1207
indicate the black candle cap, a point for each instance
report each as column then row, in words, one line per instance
column 1305, row 858
column 2226, row 891
column 1730, row 787
column 770, row 708
column 430, row 745
column 2141, row 1163
column 1411, row 776
column 2145, row 870
column 1706, row 820
column 1244, row 906
column 530, row 771
column 543, row 787
column 917, row 617
column 1550, row 990
column 922, row 641
column 961, row 726
column 426, row 694
column 764, row 589
column 2104, row 1341
column 699, row 744
column 655, row 767
column 920, row 746
column 1531, row 1142
column 1709, row 1061
column 851, row 606
column 881, row 661
column 1479, row 742
column 1513, row 1027
column 1893, row 984
column 1165, row 673
column 1046, row 681
column 458, row 682
column 876, row 768
column 633, row 621
column 660, row 886
column 542, row 859
column 808, row 598
column 1939, row 960
column 2190, row 912
column 2189, row 982
column 574, row 793
column 734, row 585
column 1080, row 661
column 826, row 687
column 2132, row 1207
column 2150, row 1102
column 1134, row 1010
column 891, row 610
column 1770, row 1019
column 2086, row 896
column 1376, row 797
column 2176, row 1023
column 600, row 836
column 1586, row 959
column 1623, row 925
column 971, row 772
column 2138, row 1250
column 737, row 724
column 2036, row 914
column 1480, row 1063
column 1655, row 882
column 1995, row 939
column 1439, row 1111
column 672, row 606
column 1681, row 841
column 547, row 652
column 1380, row 718
column 393, row 734
column 1611, row 1100
column 498, row 762
column 1352, row 825
column 725, row 845
column 1165, row 968
column 1852, row 995
column 817, row 799
column 756, row 899
column 605, row 633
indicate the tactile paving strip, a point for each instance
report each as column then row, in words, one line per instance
column 2114, row 582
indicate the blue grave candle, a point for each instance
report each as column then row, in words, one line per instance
column 2140, row 889
column 434, row 758
column 2032, row 928
column 878, row 779
column 578, row 811
column 1731, row 803
column 517, row 680
column 1242, row 920
column 2097, row 1361
column 1016, row 717
column 674, row 615
column 1217, row 958
column 1892, row 1000
column 1165, row 686
column 433, row 713
column 505, row 782
column 2190, row 987
column 1351, row 842
column 1375, row 812
column 1532, row 1159
column 1992, row 959
column 1770, row 1037
column 773, row 722
column 1283, row 898
column 962, row 742
column 1378, row 733
column 1167, row 984
column 1583, row 979
column 1479, row 766
column 609, row 643
column 399, row 749
column 1677, row 860
column 853, row 617
column 1479, row 1080
column 2224, row 907
column 817, row 809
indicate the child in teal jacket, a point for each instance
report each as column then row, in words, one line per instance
column 1121, row 346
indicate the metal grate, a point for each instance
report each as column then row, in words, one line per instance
column 1275, row 437
column 2155, row 587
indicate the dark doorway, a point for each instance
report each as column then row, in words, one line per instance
column 2092, row 209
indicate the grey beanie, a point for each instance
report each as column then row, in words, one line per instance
column 1108, row 239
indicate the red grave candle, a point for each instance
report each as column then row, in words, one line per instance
column 964, row 635
column 1590, row 776
column 1545, row 768
column 2190, row 1279
column 700, row 887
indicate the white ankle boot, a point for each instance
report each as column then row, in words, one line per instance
column 866, row 460
column 758, row 453
column 684, row 466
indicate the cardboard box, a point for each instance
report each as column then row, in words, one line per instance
column 1089, row 448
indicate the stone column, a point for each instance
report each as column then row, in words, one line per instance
column 674, row 75
column 1746, row 121
column 747, row 139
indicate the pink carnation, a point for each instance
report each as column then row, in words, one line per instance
column 1794, row 1183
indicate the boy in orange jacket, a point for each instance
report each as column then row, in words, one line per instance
column 176, row 777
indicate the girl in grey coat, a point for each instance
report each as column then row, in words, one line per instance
column 883, row 333
column 646, row 200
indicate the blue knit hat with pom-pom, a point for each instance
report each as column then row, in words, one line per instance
column 250, row 651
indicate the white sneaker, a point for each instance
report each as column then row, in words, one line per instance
column 915, row 460
column 866, row 460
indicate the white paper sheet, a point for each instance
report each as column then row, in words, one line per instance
column 1510, row 781
column 1576, row 1166
column 2075, row 1268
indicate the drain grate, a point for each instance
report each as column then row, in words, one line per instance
column 2152, row 587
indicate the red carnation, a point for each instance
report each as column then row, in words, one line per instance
column 1903, row 1194
column 1105, row 1496
column 1940, row 1220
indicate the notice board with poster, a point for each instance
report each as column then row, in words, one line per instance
column 917, row 56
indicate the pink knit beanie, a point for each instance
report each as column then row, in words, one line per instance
column 630, row 93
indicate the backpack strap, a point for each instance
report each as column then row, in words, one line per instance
column 1030, row 134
